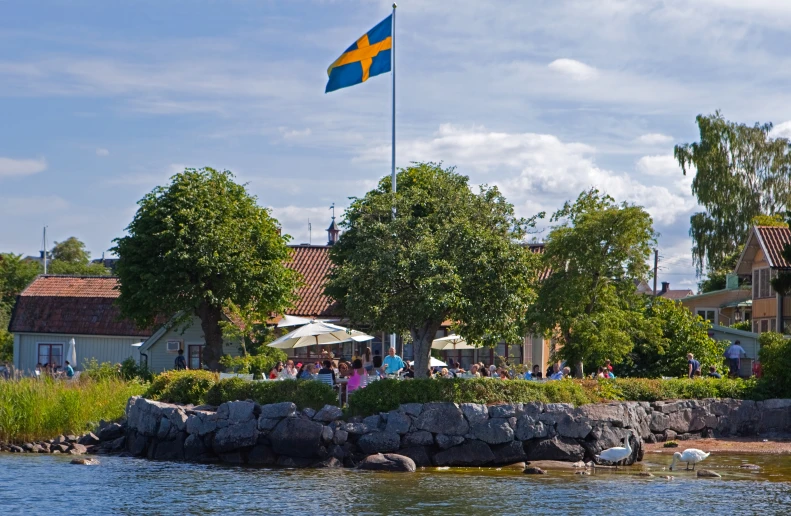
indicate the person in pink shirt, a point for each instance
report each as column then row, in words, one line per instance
column 359, row 377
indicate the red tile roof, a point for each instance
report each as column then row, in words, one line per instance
column 774, row 239
column 77, row 305
column 539, row 249
column 313, row 262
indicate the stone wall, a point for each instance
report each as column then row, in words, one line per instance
column 438, row 434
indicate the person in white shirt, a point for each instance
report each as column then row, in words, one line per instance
column 734, row 353
column 289, row 372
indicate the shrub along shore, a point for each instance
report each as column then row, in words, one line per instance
column 42, row 409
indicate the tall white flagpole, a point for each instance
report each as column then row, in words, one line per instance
column 392, row 163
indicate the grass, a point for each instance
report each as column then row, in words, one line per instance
column 34, row 410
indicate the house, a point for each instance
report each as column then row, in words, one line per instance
column 675, row 295
column 722, row 307
column 760, row 261
column 748, row 340
column 53, row 309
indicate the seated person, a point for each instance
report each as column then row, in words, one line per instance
column 327, row 369
column 537, row 373
column 306, row 373
column 358, row 378
column 713, row 373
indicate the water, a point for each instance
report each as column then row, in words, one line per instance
column 47, row 484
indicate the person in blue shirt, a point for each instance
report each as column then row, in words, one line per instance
column 392, row 363
column 69, row 370
column 559, row 375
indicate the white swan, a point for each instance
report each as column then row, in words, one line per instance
column 617, row 454
column 690, row 456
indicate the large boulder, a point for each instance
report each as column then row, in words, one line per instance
column 142, row 415
column 419, row 454
column 528, row 428
column 278, row 410
column 509, row 453
column 201, row 423
column 411, row 409
column 419, row 438
column 603, row 437
column 557, row 448
column 296, row 437
column 398, row 423
column 576, row 428
column 387, row 462
column 237, row 411
column 493, row 431
column 261, row 455
column 233, row 437
column 171, row 450
column 328, row 414
column 194, row 448
column 448, row 441
column 446, row 418
column 612, row 413
column 471, row 453
column 111, row 432
column 504, row 410
column 379, row 442
column 475, row 413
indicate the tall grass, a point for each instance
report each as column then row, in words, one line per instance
column 33, row 409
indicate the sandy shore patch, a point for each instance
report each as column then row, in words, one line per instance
column 729, row 444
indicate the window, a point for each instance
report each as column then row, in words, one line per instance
column 772, row 324
column 764, row 325
column 708, row 314
column 49, row 354
column 787, row 326
column 762, row 287
column 195, row 360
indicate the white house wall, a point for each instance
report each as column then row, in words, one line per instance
column 159, row 359
column 103, row 349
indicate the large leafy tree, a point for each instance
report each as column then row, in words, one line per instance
column 197, row 245
column 589, row 304
column 449, row 254
column 16, row 273
column 669, row 332
column 740, row 172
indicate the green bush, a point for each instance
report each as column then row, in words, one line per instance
column 97, row 372
column 387, row 395
column 131, row 370
column 258, row 364
column 188, row 386
column 303, row 393
column 775, row 357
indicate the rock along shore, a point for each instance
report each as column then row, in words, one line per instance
column 431, row 434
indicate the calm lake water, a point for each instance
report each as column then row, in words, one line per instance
column 45, row 484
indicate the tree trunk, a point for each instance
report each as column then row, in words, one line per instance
column 210, row 317
column 421, row 344
column 580, row 373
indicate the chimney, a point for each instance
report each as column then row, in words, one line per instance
column 665, row 287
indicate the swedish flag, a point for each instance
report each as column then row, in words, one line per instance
column 368, row 56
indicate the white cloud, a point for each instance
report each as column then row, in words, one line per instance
column 577, row 70
column 102, row 152
column 654, row 139
column 782, row 130
column 289, row 134
column 21, row 167
column 539, row 171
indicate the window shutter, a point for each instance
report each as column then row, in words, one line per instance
column 756, row 283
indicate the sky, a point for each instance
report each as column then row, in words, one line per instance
column 102, row 101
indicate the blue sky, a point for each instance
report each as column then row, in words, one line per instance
column 102, row 101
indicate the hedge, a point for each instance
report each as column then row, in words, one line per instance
column 198, row 387
column 385, row 395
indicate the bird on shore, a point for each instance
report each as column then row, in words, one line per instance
column 616, row 454
column 690, row 456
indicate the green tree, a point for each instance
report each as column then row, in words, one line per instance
column 16, row 273
column 589, row 302
column 740, row 173
column 775, row 358
column 449, row 254
column 672, row 331
column 71, row 250
column 198, row 244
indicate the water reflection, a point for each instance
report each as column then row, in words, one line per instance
column 42, row 484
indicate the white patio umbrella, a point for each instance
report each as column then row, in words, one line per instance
column 71, row 353
column 451, row 342
column 293, row 320
column 433, row 362
column 316, row 334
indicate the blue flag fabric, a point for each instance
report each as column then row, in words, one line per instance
column 368, row 56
